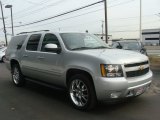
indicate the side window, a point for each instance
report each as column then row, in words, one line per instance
column 33, row 42
column 49, row 39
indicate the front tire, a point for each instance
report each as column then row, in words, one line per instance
column 81, row 92
column 17, row 76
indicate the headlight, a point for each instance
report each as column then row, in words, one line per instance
column 108, row 70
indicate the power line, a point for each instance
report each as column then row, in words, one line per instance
column 61, row 1
column 70, row 17
column 60, row 14
column 66, row 18
column 123, row 18
column 89, row 13
column 31, row 7
column 32, row 2
column 38, row 10
column 122, row 3
column 81, row 15
column 68, row 13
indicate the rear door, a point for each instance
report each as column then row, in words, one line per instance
column 29, row 57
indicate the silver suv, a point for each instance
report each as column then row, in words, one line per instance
column 80, row 62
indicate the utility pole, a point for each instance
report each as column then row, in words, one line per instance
column 140, row 22
column 106, row 22
column 159, row 28
column 4, row 23
column 159, row 37
column 102, row 29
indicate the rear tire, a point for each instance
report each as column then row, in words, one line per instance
column 81, row 92
column 17, row 76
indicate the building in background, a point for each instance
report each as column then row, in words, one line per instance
column 151, row 36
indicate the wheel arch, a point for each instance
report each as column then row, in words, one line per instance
column 13, row 61
column 73, row 71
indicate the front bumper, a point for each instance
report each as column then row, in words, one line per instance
column 109, row 88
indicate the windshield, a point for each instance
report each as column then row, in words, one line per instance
column 76, row 41
column 130, row 45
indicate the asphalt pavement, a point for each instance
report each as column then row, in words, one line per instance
column 36, row 102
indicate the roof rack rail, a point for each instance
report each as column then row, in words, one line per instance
column 31, row 32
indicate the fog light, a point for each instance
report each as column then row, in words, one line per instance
column 130, row 93
column 115, row 95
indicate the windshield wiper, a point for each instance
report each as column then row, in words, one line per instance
column 81, row 48
column 99, row 47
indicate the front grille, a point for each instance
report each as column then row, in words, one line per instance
column 136, row 64
column 137, row 73
column 137, row 69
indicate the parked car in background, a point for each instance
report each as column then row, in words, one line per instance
column 133, row 45
column 2, row 53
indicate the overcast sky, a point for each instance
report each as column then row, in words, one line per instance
column 123, row 16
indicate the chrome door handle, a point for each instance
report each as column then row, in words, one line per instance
column 39, row 57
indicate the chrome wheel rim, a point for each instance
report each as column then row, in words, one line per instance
column 16, row 75
column 79, row 93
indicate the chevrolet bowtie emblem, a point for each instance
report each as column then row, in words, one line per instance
column 141, row 67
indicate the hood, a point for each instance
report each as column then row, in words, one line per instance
column 115, row 56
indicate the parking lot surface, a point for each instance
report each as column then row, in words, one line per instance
column 36, row 102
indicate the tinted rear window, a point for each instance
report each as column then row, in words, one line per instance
column 33, row 42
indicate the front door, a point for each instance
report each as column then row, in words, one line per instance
column 50, row 63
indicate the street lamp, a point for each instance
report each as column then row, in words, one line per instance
column 10, row 6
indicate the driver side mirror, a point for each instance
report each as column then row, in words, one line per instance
column 52, row 48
